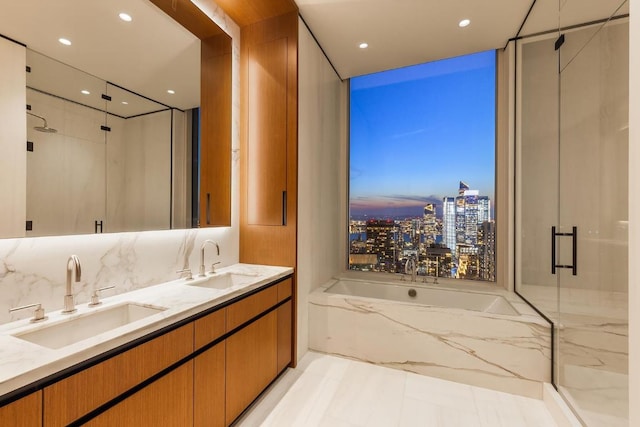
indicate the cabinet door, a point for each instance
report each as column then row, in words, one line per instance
column 70, row 398
column 209, row 386
column 215, row 133
column 251, row 363
column 166, row 402
column 267, row 133
column 25, row 412
column 284, row 335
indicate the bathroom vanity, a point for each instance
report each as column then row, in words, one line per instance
column 200, row 355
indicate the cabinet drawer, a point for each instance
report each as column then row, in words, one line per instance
column 25, row 412
column 285, row 289
column 75, row 396
column 209, row 328
column 248, row 308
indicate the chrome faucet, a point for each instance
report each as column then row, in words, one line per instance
column 73, row 266
column 202, row 268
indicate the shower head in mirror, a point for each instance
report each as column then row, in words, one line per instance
column 45, row 127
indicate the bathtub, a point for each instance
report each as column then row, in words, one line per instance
column 485, row 339
column 487, row 303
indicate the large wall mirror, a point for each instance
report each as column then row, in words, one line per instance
column 117, row 137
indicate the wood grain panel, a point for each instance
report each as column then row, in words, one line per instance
column 246, row 12
column 215, row 131
column 210, row 328
column 272, row 245
column 261, row 244
column 25, row 412
column 267, row 135
column 284, row 335
column 248, row 308
column 189, row 16
column 285, row 289
column 72, row 397
column 209, row 386
column 167, row 402
column 251, row 364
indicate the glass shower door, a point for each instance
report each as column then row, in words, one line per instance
column 591, row 242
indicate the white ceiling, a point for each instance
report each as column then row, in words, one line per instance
column 149, row 55
column 408, row 32
column 153, row 53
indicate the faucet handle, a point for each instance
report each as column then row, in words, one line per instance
column 213, row 267
column 95, row 300
column 187, row 272
column 38, row 314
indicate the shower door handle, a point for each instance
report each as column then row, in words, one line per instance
column 574, row 236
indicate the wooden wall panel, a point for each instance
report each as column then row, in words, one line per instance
column 267, row 132
column 189, row 16
column 25, row 412
column 215, row 131
column 247, row 12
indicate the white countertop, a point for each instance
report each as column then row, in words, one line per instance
column 23, row 363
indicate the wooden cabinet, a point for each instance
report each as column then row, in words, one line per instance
column 71, row 398
column 165, row 402
column 284, row 313
column 24, row 412
column 267, row 133
column 248, row 308
column 209, row 386
column 251, row 356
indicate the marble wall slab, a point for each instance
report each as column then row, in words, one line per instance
column 505, row 353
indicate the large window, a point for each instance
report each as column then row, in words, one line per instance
column 422, row 169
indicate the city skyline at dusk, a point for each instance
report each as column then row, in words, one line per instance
column 417, row 131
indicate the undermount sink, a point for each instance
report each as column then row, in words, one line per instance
column 71, row 331
column 225, row 281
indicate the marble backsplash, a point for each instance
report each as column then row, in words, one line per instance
column 33, row 270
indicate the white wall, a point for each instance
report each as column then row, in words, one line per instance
column 13, row 138
column 634, row 213
column 34, row 269
column 319, row 175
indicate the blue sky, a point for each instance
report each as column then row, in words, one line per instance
column 417, row 131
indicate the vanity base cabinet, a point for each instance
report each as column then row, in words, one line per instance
column 166, row 402
column 24, row 412
column 251, row 356
column 209, row 386
column 284, row 336
column 73, row 397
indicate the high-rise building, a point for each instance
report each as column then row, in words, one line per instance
column 487, row 250
column 430, row 224
column 449, row 222
column 380, row 241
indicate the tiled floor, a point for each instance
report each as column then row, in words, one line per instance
column 334, row 392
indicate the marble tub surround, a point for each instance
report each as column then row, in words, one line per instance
column 33, row 270
column 22, row 362
column 508, row 353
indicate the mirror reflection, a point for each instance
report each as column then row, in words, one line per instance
column 103, row 156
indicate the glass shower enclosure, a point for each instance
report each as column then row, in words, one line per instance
column 572, row 200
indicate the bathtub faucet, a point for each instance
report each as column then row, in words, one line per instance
column 411, row 267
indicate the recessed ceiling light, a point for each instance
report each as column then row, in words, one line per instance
column 171, row 92
column 125, row 17
column 464, row 23
column 85, row 92
column 125, row 103
column 363, row 45
column 64, row 41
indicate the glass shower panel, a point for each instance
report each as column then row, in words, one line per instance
column 591, row 329
column 65, row 169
